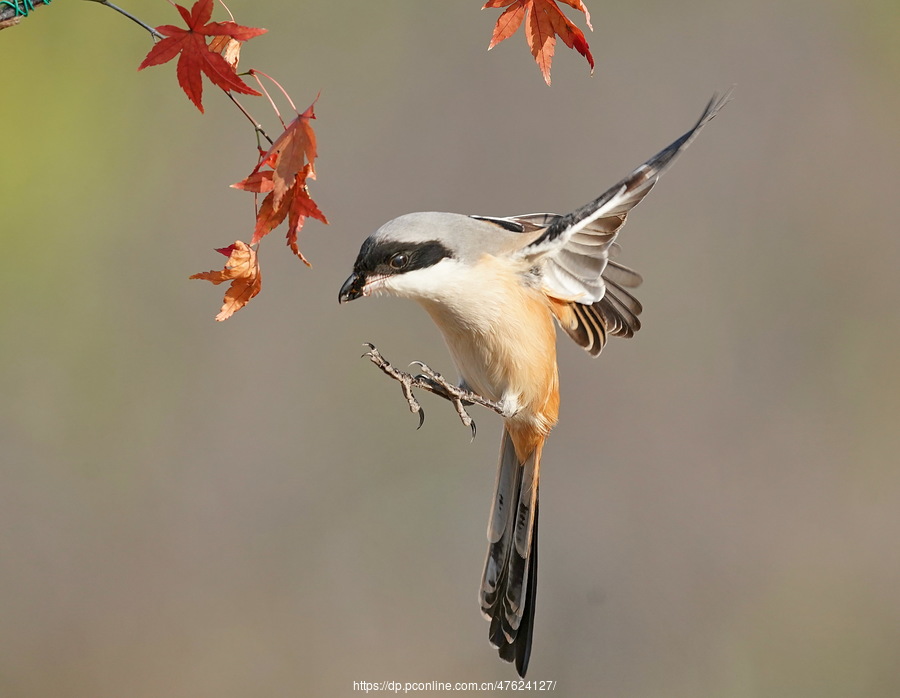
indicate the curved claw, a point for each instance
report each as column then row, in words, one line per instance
column 472, row 426
column 371, row 349
column 427, row 371
column 421, row 414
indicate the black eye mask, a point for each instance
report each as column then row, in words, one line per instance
column 376, row 257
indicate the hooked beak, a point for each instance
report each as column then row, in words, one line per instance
column 352, row 288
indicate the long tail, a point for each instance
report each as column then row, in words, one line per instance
column 509, row 584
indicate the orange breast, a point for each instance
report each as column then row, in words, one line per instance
column 503, row 342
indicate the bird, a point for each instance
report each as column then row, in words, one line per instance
column 496, row 287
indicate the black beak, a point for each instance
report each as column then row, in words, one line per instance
column 352, row 288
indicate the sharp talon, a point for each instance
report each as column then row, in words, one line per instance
column 472, row 425
column 428, row 371
column 418, row 363
column 421, row 418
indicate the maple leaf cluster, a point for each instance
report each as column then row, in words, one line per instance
column 291, row 160
column 213, row 49
column 281, row 173
column 288, row 164
column 544, row 21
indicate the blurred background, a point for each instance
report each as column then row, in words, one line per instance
column 189, row 508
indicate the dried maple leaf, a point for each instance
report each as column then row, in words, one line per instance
column 242, row 270
column 195, row 56
column 544, row 21
column 292, row 162
column 228, row 47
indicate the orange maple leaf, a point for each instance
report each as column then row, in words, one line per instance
column 195, row 56
column 292, row 162
column 289, row 151
column 544, row 21
column 242, row 270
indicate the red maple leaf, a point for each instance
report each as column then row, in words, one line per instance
column 301, row 207
column 544, row 21
column 195, row 56
column 292, row 162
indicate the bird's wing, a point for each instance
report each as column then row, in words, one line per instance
column 575, row 252
column 575, row 249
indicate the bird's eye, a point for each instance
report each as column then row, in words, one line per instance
column 399, row 260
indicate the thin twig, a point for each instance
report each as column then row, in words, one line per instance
column 256, row 125
column 155, row 34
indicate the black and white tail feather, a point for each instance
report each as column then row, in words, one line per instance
column 574, row 253
column 509, row 583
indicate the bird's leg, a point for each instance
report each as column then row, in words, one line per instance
column 459, row 397
column 433, row 382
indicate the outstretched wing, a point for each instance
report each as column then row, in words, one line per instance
column 575, row 251
column 615, row 203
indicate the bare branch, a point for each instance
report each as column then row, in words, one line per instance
column 155, row 34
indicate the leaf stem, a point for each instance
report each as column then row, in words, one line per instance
column 255, row 75
column 255, row 72
column 232, row 16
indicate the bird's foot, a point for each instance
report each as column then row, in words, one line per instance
column 433, row 382
column 406, row 380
